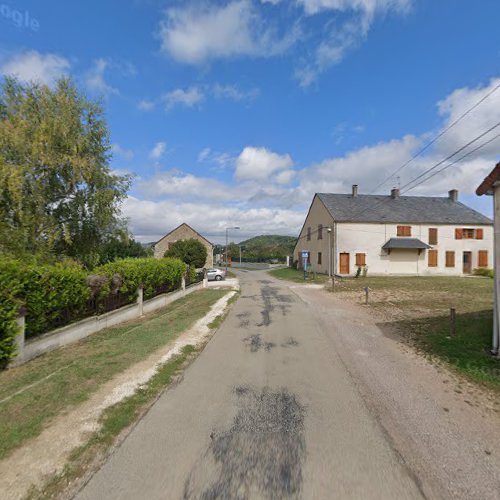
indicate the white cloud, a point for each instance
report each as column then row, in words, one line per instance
column 145, row 105
column 196, row 34
column 95, row 80
column 233, row 92
column 222, row 160
column 149, row 220
column 158, row 151
column 32, row 66
column 185, row 97
column 259, row 163
column 341, row 39
column 126, row 154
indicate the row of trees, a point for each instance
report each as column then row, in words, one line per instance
column 58, row 195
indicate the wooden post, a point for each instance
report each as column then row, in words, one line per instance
column 453, row 325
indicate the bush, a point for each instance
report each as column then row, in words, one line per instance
column 150, row 272
column 482, row 271
column 192, row 252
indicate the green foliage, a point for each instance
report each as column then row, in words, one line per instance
column 121, row 247
column 263, row 248
column 58, row 195
column 149, row 272
column 191, row 251
column 482, row 271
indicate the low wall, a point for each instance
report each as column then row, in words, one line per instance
column 76, row 331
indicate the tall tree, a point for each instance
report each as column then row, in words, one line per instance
column 57, row 192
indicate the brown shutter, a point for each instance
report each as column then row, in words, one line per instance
column 479, row 233
column 459, row 233
column 450, row 259
column 432, row 258
column 482, row 258
column 433, row 236
column 400, row 231
column 360, row 259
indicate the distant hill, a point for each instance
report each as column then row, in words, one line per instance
column 264, row 248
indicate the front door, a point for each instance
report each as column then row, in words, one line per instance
column 467, row 261
column 344, row 263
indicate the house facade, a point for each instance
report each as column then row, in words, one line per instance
column 394, row 235
column 491, row 187
column 183, row 232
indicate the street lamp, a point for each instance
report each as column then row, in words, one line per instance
column 329, row 231
column 227, row 229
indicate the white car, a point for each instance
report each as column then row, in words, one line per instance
column 216, row 274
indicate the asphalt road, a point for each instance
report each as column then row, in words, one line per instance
column 271, row 409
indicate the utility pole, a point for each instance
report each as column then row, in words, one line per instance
column 329, row 231
column 240, row 254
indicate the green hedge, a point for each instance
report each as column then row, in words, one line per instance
column 58, row 294
column 150, row 272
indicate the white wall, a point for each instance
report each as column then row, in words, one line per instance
column 369, row 239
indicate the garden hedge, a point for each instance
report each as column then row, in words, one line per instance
column 50, row 293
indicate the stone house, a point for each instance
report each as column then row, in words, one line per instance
column 183, row 232
column 394, row 235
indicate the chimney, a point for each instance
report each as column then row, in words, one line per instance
column 354, row 190
column 453, row 195
column 394, row 193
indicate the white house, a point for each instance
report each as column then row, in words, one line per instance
column 399, row 235
column 491, row 186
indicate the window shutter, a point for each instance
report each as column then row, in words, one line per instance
column 433, row 236
column 459, row 233
column 400, row 231
column 450, row 259
column 432, row 258
column 479, row 233
column 482, row 258
column 360, row 259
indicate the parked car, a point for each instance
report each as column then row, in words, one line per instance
column 216, row 274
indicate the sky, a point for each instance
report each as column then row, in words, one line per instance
column 235, row 112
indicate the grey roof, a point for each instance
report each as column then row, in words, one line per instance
column 411, row 243
column 404, row 209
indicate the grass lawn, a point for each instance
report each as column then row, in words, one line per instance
column 289, row 274
column 419, row 307
column 32, row 394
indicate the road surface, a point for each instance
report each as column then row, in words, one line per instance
column 297, row 396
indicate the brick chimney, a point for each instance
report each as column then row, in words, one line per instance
column 453, row 195
column 394, row 193
column 354, row 190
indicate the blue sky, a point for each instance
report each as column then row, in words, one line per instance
column 236, row 112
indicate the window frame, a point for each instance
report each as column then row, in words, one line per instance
column 320, row 258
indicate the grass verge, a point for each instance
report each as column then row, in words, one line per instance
column 419, row 309
column 35, row 393
column 289, row 274
column 114, row 422
column 218, row 320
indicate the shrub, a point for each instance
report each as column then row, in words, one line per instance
column 482, row 271
column 150, row 272
column 191, row 251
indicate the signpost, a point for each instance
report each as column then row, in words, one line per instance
column 305, row 257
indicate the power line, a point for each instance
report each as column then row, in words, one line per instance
column 430, row 143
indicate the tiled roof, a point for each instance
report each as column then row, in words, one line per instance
column 406, row 243
column 402, row 209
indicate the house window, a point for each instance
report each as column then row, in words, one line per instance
column 432, row 258
column 467, row 233
column 482, row 258
column 361, row 259
column 404, row 231
column 319, row 258
column 320, row 231
column 308, row 234
column 433, row 236
column 450, row 259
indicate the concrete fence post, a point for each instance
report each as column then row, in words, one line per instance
column 140, row 300
column 205, row 278
column 20, row 337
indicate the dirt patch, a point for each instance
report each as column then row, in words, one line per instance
column 45, row 455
